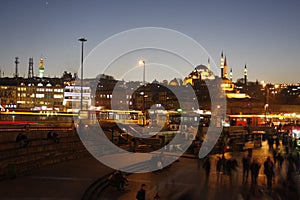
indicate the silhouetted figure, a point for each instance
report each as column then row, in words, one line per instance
column 270, row 142
column 231, row 165
column 277, row 142
column 223, row 163
column 279, row 127
column 22, row 140
column 274, row 156
column 280, row 159
column 287, row 151
column 118, row 180
column 141, row 194
column 133, row 144
column 297, row 162
column 206, row 166
column 284, row 139
column 218, row 167
column 254, row 168
column 269, row 171
column 246, row 166
column 53, row 136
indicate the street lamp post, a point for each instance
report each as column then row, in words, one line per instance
column 142, row 62
column 82, row 40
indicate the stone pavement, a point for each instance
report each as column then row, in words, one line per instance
column 182, row 180
column 186, row 180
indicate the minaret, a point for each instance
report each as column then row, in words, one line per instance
column 222, row 65
column 230, row 74
column 225, row 68
column 41, row 68
column 16, row 69
column 30, row 68
column 208, row 64
column 245, row 75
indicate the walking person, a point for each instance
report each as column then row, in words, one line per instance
column 233, row 166
column 218, row 167
column 280, row 159
column 206, row 166
column 269, row 171
column 246, row 166
column 254, row 168
column 277, row 142
column 141, row 194
column 275, row 156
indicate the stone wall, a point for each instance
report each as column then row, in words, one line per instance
column 38, row 148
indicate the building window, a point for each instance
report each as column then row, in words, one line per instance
column 58, row 96
column 40, row 95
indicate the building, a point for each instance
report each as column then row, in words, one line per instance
column 72, row 98
column 31, row 94
column 200, row 73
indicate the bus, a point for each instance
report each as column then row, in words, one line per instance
column 261, row 120
column 36, row 116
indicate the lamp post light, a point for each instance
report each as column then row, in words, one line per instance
column 82, row 40
column 142, row 62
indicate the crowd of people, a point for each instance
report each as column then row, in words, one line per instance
column 283, row 166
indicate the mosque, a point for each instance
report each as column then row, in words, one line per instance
column 204, row 74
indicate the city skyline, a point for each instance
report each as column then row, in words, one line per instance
column 263, row 35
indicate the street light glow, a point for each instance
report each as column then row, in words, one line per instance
column 141, row 62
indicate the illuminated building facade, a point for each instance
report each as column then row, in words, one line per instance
column 30, row 94
column 72, row 95
column 42, row 96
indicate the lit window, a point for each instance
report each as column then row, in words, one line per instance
column 40, row 95
column 58, row 96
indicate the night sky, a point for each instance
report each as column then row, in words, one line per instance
column 265, row 35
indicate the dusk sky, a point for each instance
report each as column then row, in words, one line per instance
column 265, row 35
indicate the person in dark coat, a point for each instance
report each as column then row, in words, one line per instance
column 206, row 166
column 269, row 171
column 254, row 168
column 141, row 194
column 218, row 167
column 246, row 166
column 280, row 159
column 277, row 142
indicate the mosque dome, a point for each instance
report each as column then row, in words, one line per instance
column 201, row 72
column 174, row 82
